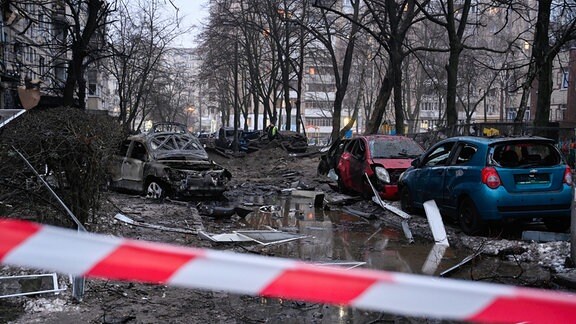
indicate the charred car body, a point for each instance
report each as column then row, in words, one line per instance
column 166, row 163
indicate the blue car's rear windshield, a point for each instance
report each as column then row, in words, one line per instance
column 389, row 149
column 526, row 154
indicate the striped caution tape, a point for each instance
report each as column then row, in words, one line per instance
column 45, row 247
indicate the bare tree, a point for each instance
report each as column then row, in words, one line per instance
column 70, row 32
column 329, row 29
column 549, row 39
column 392, row 21
column 139, row 38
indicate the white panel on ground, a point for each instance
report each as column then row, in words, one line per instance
column 436, row 223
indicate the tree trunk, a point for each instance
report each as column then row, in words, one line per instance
column 452, row 82
column 373, row 124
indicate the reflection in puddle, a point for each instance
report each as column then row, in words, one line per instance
column 337, row 236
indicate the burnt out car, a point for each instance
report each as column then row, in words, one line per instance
column 382, row 157
column 167, row 163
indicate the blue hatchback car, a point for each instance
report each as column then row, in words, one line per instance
column 478, row 180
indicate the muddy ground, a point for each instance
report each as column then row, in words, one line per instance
column 258, row 177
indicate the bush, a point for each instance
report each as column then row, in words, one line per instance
column 70, row 148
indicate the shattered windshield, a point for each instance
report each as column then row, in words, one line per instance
column 396, row 148
column 170, row 142
column 526, row 154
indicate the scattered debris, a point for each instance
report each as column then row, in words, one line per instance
column 539, row 236
column 7, row 115
column 130, row 221
column 271, row 210
column 436, row 224
column 405, row 217
column 462, row 263
column 355, row 212
column 29, row 285
column 440, row 238
column 318, row 196
column 215, row 211
column 262, row 237
column 348, row 264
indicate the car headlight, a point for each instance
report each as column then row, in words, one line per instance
column 401, row 176
column 382, row 174
column 175, row 175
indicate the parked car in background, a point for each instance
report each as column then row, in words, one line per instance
column 166, row 162
column 478, row 180
column 381, row 157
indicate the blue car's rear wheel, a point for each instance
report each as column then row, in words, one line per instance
column 469, row 219
column 406, row 203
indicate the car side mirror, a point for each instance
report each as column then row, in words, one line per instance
column 415, row 163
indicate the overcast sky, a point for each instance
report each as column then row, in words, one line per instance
column 194, row 12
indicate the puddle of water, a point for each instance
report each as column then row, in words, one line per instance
column 339, row 236
column 336, row 236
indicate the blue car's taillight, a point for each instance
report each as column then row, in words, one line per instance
column 491, row 178
column 568, row 176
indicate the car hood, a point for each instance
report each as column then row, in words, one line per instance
column 393, row 163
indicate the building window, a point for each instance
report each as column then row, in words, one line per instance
column 93, row 88
column 319, row 121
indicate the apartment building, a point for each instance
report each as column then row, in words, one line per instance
column 199, row 102
column 33, row 50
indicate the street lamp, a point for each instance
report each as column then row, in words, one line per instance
column 189, row 111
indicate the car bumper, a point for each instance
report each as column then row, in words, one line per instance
column 389, row 192
column 501, row 205
column 211, row 183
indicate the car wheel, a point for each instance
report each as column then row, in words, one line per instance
column 469, row 219
column 322, row 168
column 155, row 190
column 557, row 224
column 406, row 203
column 341, row 188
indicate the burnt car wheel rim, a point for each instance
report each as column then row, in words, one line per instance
column 154, row 190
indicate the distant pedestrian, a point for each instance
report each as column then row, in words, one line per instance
column 272, row 131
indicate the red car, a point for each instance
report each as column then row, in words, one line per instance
column 382, row 157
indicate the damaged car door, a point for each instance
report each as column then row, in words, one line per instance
column 133, row 165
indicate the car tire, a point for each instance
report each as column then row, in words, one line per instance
column 341, row 187
column 406, row 203
column 155, row 190
column 469, row 219
column 323, row 168
column 560, row 225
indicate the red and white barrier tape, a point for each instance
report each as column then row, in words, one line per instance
column 91, row 255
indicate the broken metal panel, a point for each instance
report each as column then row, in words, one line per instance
column 436, row 224
column 270, row 237
column 405, row 216
column 8, row 115
column 347, row 264
column 29, row 285
column 78, row 282
column 262, row 237
column 128, row 220
column 223, row 238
